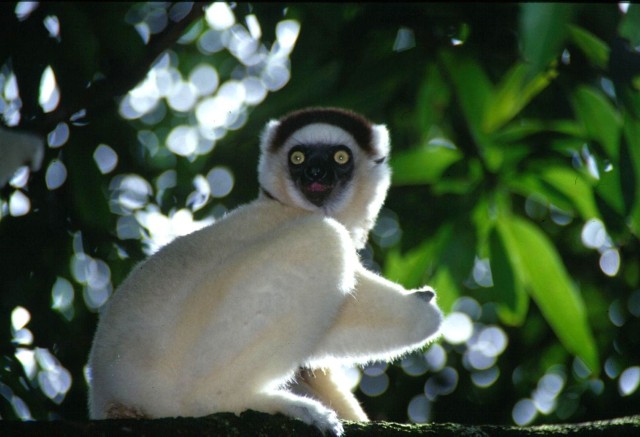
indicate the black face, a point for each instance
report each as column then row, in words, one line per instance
column 318, row 170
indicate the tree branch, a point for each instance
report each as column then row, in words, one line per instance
column 260, row 424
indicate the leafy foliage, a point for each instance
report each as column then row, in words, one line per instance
column 516, row 136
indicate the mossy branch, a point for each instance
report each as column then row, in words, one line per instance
column 260, row 424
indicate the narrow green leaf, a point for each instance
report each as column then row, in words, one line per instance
column 610, row 191
column 630, row 25
column 519, row 130
column 593, row 47
column 454, row 261
column 446, row 286
column 574, row 186
column 550, row 286
column 543, row 27
column 628, row 177
column 473, row 87
column 433, row 98
column 512, row 300
column 512, row 94
column 632, row 137
column 451, row 254
column 422, row 166
column 409, row 269
column 600, row 120
column 522, row 128
column 564, row 187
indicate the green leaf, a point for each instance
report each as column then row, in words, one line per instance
column 433, row 99
column 543, row 27
column 451, row 254
column 600, row 120
column 630, row 25
column 564, row 187
column 632, row 137
column 522, row 128
column 519, row 130
column 593, row 47
column 574, row 186
column 540, row 268
column 609, row 189
column 628, row 176
column 513, row 93
column 454, row 261
column 409, row 269
column 446, row 286
column 511, row 298
column 473, row 87
column 422, row 166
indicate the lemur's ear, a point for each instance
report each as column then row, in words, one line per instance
column 266, row 138
column 380, row 141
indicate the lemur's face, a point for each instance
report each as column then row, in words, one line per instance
column 325, row 159
column 319, row 171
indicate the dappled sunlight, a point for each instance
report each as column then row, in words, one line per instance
column 479, row 346
column 52, row 24
column 92, row 273
column 140, row 218
column 219, row 106
column 19, row 204
column 162, row 229
column 629, row 381
column 19, row 318
column 20, row 177
column 55, row 175
column 10, row 102
column 39, row 365
column 442, row 383
column 24, row 9
column 405, row 40
column 457, row 328
column 49, row 92
column 544, row 398
column 129, row 193
column 58, row 136
column 524, row 412
column 386, row 232
column 374, row 380
column 220, row 16
column 105, row 158
column 435, row 357
column 53, row 379
column 595, row 236
column 62, row 297
column 481, row 273
column 419, row 409
column 220, row 181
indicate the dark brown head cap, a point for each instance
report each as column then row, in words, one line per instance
column 355, row 124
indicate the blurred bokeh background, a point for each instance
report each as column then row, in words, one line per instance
column 516, row 191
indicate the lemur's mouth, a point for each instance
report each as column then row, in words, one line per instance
column 316, row 192
column 317, row 187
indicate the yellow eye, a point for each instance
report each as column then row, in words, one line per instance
column 297, row 157
column 341, row 157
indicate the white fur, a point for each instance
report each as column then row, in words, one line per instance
column 223, row 319
column 358, row 206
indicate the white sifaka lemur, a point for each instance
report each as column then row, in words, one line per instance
column 253, row 311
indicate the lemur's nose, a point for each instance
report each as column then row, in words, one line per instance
column 315, row 172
